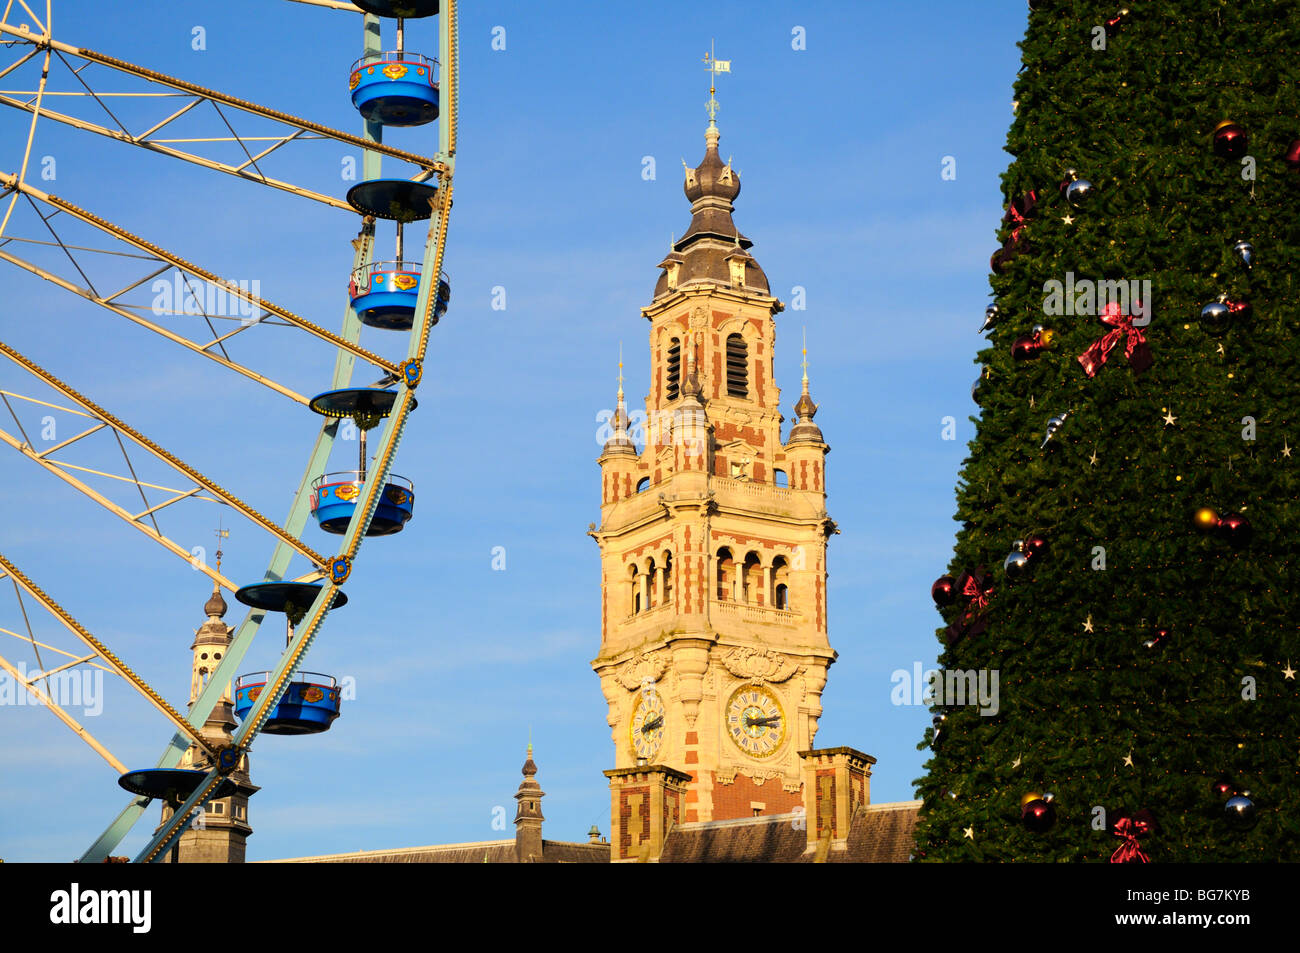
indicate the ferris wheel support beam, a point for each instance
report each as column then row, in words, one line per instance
column 107, row 304
column 172, row 546
column 44, row 41
column 230, row 287
column 276, row 683
column 78, row 729
column 120, row 667
column 331, row 5
column 299, row 512
column 86, row 125
column 174, row 462
column 166, row 836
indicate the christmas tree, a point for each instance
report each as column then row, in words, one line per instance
column 1119, row 659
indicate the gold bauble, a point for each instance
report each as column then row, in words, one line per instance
column 1206, row 518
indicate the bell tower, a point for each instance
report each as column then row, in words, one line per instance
column 220, row 833
column 714, row 648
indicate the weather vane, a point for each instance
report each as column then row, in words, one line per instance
column 221, row 534
column 714, row 66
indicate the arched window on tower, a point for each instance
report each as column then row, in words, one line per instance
column 635, row 600
column 781, row 478
column 643, row 484
column 737, row 366
column 668, row 578
column 781, row 583
column 652, row 584
column 751, row 580
column 674, row 368
column 726, row 575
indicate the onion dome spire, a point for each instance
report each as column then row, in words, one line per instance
column 530, row 793
column 619, row 441
column 712, row 243
column 804, row 430
column 215, row 607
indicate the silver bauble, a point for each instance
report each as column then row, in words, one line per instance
column 1078, row 192
column 1245, row 252
column 1016, row 565
column 1240, row 812
column 1215, row 315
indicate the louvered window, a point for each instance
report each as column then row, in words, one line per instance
column 674, row 368
column 737, row 366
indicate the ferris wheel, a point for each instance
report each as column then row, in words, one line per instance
column 313, row 551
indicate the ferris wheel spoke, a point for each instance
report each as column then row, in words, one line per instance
column 298, row 129
column 125, row 311
column 47, row 702
column 157, row 253
column 76, row 628
column 163, row 455
column 331, row 5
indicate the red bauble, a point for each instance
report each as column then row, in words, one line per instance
column 1240, row 308
column 1229, row 140
column 1038, row 815
column 1035, row 546
column 1292, row 155
column 1223, row 788
column 1026, row 347
column 944, row 591
column 1236, row 529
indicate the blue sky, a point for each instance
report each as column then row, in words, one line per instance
column 839, row 148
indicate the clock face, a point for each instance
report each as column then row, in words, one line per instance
column 755, row 721
column 647, row 729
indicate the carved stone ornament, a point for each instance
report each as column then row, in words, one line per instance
column 700, row 317
column 759, row 665
column 726, row 774
column 636, row 671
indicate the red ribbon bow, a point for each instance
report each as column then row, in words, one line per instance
column 976, row 596
column 1130, row 828
column 976, row 588
column 1136, row 348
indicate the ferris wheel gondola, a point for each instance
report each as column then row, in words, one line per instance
column 283, row 700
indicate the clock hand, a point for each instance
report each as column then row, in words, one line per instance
column 652, row 724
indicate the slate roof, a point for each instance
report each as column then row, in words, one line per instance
column 481, row 852
column 878, row 833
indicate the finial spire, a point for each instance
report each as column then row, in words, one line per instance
column 620, row 374
column 805, row 360
column 221, row 534
column 714, row 66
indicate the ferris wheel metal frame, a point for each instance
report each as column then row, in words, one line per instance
column 332, row 570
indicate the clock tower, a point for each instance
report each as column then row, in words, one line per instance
column 714, row 648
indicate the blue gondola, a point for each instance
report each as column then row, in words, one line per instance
column 444, row 298
column 384, row 294
column 400, row 200
column 308, row 706
column 396, row 88
column 408, row 9
column 334, row 498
